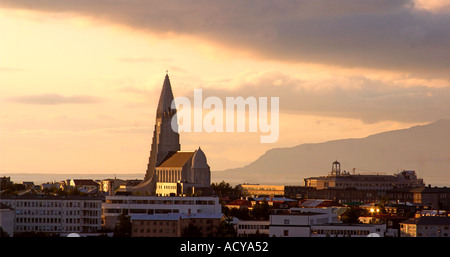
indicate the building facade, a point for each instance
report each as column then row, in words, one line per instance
column 318, row 222
column 348, row 230
column 55, row 214
column 7, row 219
column 131, row 205
column 252, row 228
column 175, row 224
column 426, row 226
column 261, row 190
column 379, row 183
column 434, row 197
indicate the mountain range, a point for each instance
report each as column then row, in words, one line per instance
column 424, row 148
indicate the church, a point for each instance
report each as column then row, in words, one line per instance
column 171, row 172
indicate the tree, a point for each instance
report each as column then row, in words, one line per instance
column 191, row 231
column 261, row 211
column 226, row 228
column 223, row 189
column 352, row 215
column 240, row 213
column 123, row 226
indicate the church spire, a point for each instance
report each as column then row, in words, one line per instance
column 165, row 139
column 166, row 98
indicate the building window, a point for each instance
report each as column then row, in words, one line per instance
column 285, row 232
column 286, row 222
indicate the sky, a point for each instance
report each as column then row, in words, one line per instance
column 80, row 79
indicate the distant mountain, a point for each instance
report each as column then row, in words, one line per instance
column 425, row 149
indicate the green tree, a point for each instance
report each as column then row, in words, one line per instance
column 241, row 213
column 123, row 226
column 261, row 211
column 352, row 215
column 226, row 228
column 224, row 189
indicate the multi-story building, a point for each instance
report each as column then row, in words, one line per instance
column 7, row 219
column 342, row 195
column 318, row 222
column 111, row 185
column 261, row 190
column 348, row 230
column 174, row 224
column 426, row 226
column 379, row 183
column 55, row 214
column 252, row 228
column 434, row 197
column 115, row 205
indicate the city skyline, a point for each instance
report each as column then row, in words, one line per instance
column 80, row 82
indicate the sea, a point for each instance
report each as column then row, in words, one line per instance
column 39, row 178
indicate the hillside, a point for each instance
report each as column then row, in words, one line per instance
column 425, row 149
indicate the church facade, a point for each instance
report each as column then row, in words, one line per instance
column 169, row 170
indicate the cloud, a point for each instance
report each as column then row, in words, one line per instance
column 54, row 99
column 382, row 34
column 355, row 97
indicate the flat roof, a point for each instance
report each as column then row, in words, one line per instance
column 176, row 216
column 51, row 197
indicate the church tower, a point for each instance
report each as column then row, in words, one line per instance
column 165, row 139
column 167, row 165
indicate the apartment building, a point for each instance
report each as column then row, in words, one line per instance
column 319, row 222
column 174, row 224
column 117, row 204
column 55, row 214
column 377, row 182
column 7, row 218
column 426, row 226
column 252, row 228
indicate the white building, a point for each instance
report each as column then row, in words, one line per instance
column 318, row 222
column 55, row 214
column 246, row 228
column 295, row 224
column 348, row 230
column 114, row 205
column 7, row 219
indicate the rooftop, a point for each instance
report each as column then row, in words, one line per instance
column 176, row 159
column 176, row 216
column 51, row 197
column 84, row 182
column 431, row 190
column 429, row 220
column 240, row 202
